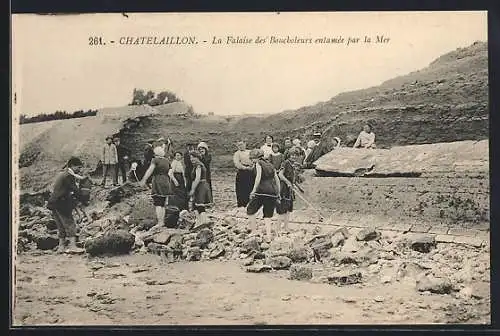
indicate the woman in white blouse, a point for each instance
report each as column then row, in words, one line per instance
column 177, row 175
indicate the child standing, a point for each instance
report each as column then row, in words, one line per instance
column 265, row 192
column 61, row 203
column 276, row 157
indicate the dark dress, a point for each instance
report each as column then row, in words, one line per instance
column 189, row 168
column 287, row 194
column 207, row 160
column 202, row 197
column 180, row 192
column 161, row 184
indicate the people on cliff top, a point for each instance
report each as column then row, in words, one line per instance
column 109, row 159
column 366, row 138
column 62, row 203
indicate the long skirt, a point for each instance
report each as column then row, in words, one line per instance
column 180, row 198
column 244, row 185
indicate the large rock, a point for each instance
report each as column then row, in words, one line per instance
column 156, row 248
column 300, row 254
column 279, row 262
column 250, row 244
column 300, row 272
column 217, row 252
column 45, row 241
column 111, row 243
column 338, row 239
column 434, row 285
column 423, row 243
column 351, row 245
column 367, row 234
column 193, row 254
column 365, row 256
column 345, row 278
column 321, row 247
column 204, row 237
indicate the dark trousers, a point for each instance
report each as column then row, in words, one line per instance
column 244, row 185
column 109, row 169
column 121, row 167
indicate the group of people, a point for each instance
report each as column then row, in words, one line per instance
column 266, row 178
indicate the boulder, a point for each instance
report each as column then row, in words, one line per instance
column 365, row 256
column 111, row 243
column 155, row 248
column 250, row 244
column 344, row 278
column 423, row 243
column 351, row 245
column 299, row 254
column 279, row 262
column 322, row 247
column 162, row 237
column 217, row 252
column 45, row 241
column 434, row 285
column 338, row 239
column 193, row 254
column 367, row 234
column 204, row 237
column 300, row 272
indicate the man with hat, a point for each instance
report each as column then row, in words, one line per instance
column 61, row 202
column 317, row 151
column 123, row 159
column 109, row 159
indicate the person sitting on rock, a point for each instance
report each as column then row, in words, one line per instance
column 61, row 203
column 366, row 138
column 161, row 184
column 288, row 175
column 200, row 189
column 276, row 158
column 265, row 192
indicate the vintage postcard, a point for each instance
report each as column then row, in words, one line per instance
column 250, row 169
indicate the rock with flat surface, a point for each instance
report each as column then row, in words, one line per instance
column 367, row 234
column 423, row 243
column 434, row 285
column 279, row 262
column 111, row 243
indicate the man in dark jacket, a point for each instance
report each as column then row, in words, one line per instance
column 188, row 165
column 123, row 159
column 62, row 202
column 318, row 151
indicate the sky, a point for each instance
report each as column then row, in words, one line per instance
column 55, row 68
